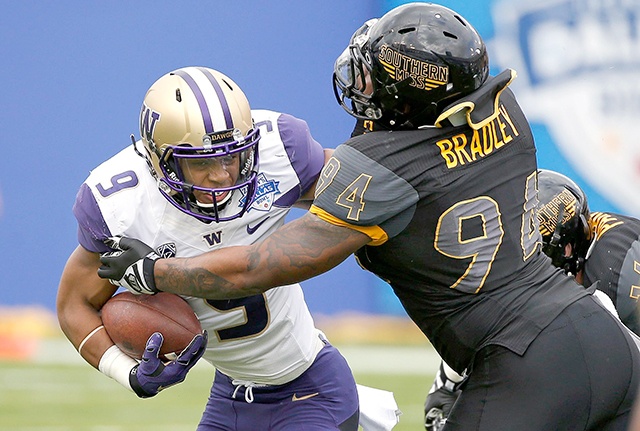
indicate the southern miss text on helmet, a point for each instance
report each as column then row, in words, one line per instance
column 403, row 69
column 563, row 214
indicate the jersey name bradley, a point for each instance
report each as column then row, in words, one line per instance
column 476, row 144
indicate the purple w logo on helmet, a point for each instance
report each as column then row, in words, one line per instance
column 148, row 120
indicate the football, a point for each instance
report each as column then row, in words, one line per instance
column 131, row 319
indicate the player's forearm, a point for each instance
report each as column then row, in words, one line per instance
column 297, row 251
column 84, row 330
column 233, row 272
column 214, row 275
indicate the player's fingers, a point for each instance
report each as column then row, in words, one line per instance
column 108, row 269
column 108, row 257
column 113, row 242
column 154, row 343
column 126, row 243
column 104, row 272
column 205, row 336
column 194, row 350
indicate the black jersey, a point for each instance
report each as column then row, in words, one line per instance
column 365, row 126
column 450, row 211
column 614, row 260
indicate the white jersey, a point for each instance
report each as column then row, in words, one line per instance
column 266, row 339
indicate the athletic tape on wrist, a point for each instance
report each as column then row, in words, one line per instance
column 450, row 374
column 116, row 364
column 446, row 378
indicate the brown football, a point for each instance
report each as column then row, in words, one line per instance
column 131, row 319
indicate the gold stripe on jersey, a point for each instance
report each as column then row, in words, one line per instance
column 600, row 223
column 376, row 233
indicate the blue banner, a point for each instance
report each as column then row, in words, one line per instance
column 76, row 73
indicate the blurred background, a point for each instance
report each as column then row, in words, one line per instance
column 75, row 73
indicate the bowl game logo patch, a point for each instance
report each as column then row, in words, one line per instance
column 265, row 194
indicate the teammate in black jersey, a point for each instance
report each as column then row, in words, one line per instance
column 594, row 246
column 442, row 205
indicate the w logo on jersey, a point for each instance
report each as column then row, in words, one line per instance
column 148, row 120
column 265, row 194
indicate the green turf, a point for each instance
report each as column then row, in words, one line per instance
column 77, row 397
column 410, row 392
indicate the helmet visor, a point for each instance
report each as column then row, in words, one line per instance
column 352, row 77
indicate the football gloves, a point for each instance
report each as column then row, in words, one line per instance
column 442, row 396
column 437, row 408
column 131, row 266
column 152, row 375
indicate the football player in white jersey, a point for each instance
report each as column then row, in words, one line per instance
column 210, row 172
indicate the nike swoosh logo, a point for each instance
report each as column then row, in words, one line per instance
column 252, row 229
column 304, row 397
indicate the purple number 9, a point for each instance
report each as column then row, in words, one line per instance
column 119, row 182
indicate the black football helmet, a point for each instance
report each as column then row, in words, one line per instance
column 563, row 214
column 403, row 69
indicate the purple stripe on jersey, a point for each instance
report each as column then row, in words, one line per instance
column 288, row 199
column 305, row 154
column 92, row 229
column 204, row 109
column 223, row 100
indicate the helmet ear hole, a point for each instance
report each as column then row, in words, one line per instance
column 227, row 84
column 459, row 18
column 406, row 30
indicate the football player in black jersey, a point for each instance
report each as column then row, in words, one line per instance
column 593, row 247
column 442, row 205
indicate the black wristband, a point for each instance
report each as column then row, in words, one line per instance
column 135, row 384
column 148, row 264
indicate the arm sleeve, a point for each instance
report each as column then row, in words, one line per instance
column 92, row 229
column 355, row 191
column 305, row 153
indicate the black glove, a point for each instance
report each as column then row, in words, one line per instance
column 152, row 375
column 131, row 266
column 437, row 408
column 442, row 396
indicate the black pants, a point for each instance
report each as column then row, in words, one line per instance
column 581, row 373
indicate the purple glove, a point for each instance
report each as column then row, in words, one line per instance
column 152, row 375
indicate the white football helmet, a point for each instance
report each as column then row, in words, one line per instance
column 199, row 113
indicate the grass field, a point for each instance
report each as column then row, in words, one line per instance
column 72, row 396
